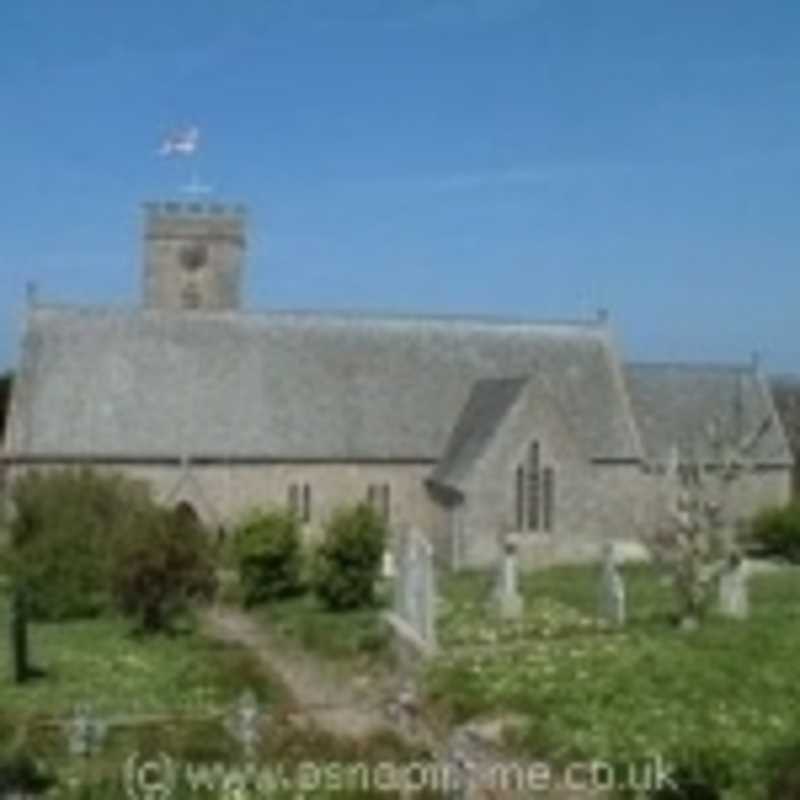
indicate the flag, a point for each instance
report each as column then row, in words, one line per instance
column 180, row 142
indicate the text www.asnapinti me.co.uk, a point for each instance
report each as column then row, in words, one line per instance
column 162, row 777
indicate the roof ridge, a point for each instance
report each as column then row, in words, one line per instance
column 728, row 366
column 363, row 315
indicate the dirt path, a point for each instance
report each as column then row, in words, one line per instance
column 338, row 705
column 333, row 703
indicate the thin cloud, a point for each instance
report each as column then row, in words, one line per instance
column 406, row 13
column 581, row 171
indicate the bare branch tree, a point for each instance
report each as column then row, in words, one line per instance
column 697, row 540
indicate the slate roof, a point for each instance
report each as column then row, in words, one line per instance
column 488, row 404
column 284, row 385
column 786, row 395
column 674, row 404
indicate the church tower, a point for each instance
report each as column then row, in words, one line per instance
column 193, row 256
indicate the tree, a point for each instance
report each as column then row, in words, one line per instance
column 348, row 561
column 164, row 567
column 269, row 556
column 698, row 540
column 85, row 542
column 63, row 532
column 6, row 379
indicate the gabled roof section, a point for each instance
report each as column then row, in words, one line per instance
column 674, row 405
column 284, row 385
column 488, row 405
column 786, row 395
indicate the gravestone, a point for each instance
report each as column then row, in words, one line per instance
column 507, row 599
column 733, row 593
column 388, row 569
column 86, row 731
column 244, row 722
column 414, row 590
column 612, row 589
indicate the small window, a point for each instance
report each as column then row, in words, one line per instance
column 548, row 498
column 306, row 503
column 386, row 502
column 190, row 297
column 519, row 497
column 379, row 499
column 533, row 487
column 294, row 499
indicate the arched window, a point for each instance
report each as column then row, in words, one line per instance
column 534, row 493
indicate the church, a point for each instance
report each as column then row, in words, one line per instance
column 465, row 427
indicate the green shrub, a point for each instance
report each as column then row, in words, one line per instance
column 21, row 775
column 269, row 557
column 63, row 534
column 166, row 564
column 347, row 562
column 776, row 532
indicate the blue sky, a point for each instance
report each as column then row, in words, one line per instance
column 534, row 158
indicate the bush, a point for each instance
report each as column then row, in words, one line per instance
column 22, row 776
column 776, row 532
column 165, row 565
column 348, row 561
column 269, row 557
column 63, row 534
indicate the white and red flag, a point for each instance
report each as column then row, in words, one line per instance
column 181, row 142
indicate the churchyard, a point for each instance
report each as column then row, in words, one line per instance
column 585, row 664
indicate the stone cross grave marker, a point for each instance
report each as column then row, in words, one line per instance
column 612, row 588
column 244, row 722
column 507, row 599
column 86, row 731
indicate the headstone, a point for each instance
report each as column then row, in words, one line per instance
column 388, row 569
column 244, row 722
column 415, row 591
column 86, row 731
column 733, row 594
column 507, row 598
column 612, row 589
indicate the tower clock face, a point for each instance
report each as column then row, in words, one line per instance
column 193, row 256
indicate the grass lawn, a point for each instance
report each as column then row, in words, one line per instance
column 349, row 638
column 723, row 699
column 186, row 677
column 98, row 661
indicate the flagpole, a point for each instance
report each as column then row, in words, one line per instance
column 184, row 142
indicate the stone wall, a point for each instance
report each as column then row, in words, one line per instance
column 221, row 494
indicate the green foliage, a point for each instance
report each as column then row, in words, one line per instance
column 6, row 379
column 98, row 659
column 158, row 572
column 347, row 562
column 776, row 532
column 355, row 638
column 269, row 557
column 22, row 775
column 63, row 535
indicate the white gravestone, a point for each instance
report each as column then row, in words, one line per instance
column 508, row 600
column 415, row 590
column 612, row 588
column 733, row 593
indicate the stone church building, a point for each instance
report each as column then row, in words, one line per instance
column 465, row 427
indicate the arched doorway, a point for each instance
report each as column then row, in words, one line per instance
column 187, row 517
